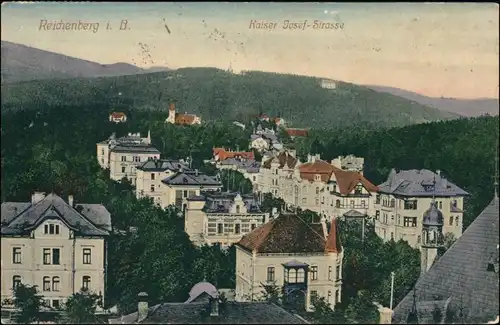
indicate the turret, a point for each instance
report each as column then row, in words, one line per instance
column 432, row 236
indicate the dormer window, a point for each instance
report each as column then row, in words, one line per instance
column 358, row 189
column 51, row 229
column 317, row 177
column 237, row 209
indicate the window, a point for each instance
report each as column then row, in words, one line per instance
column 337, row 296
column 329, row 273
column 410, row 221
column 185, row 193
column 410, row 205
column 292, row 276
column 418, row 239
column 270, row 273
column 16, row 281
column 16, row 255
column 392, row 235
column 237, row 229
column 46, row 283
column 317, row 201
column 137, row 159
column 314, row 295
column 55, row 256
column 46, row 256
column 440, row 204
column 253, row 226
column 55, row 303
column 87, row 253
column 377, row 199
column 393, row 203
column 220, row 228
column 352, row 204
column 301, row 275
column 102, row 151
column 363, row 203
column 124, row 158
column 337, row 204
column 317, row 190
column 152, row 188
column 329, row 295
column 123, row 169
column 377, row 214
column 314, row 273
column 456, row 221
column 337, row 272
column 399, row 219
column 451, row 221
column 55, row 283
column 51, row 229
column 152, row 176
column 237, row 209
column 304, row 200
column 454, row 203
column 86, row 282
column 358, row 189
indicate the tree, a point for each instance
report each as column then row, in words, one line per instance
column 28, row 302
column 270, row 202
column 234, row 181
column 323, row 313
column 80, row 308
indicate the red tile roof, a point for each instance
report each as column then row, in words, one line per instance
column 184, row 118
column 117, row 114
column 223, row 154
column 296, row 132
column 290, row 234
column 346, row 179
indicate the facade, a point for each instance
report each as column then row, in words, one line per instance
column 205, row 306
column 151, row 173
column 118, row 117
column 317, row 185
column 258, row 143
column 304, row 259
column 328, row 84
column 404, row 198
column 57, row 245
column 184, row 184
column 217, row 217
column 462, row 284
column 181, row 119
column 122, row 156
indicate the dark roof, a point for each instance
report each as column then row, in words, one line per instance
column 19, row 217
column 432, row 216
column 192, row 178
column 249, row 165
column 161, row 165
column 462, row 273
column 288, row 233
column 142, row 148
column 221, row 202
column 231, row 313
column 283, row 159
column 419, row 183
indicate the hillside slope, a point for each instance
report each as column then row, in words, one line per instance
column 21, row 63
column 220, row 95
column 465, row 107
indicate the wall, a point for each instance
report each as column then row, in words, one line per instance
column 144, row 183
column 103, row 155
column 116, row 164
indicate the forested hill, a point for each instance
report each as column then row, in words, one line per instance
column 220, row 95
column 463, row 149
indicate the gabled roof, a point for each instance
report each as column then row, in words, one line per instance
column 162, row 165
column 184, row 118
column 419, row 183
column 296, row 132
column 19, row 217
column 283, row 159
column 223, row 154
column 290, row 234
column 117, row 114
column 142, row 148
column 222, row 202
column 191, row 178
column 462, row 273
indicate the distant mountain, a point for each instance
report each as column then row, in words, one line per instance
column 465, row 107
column 22, row 63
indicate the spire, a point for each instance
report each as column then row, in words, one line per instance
column 413, row 314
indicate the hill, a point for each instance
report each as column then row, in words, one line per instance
column 219, row 95
column 21, row 62
column 465, row 107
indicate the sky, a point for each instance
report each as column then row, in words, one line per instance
column 434, row 49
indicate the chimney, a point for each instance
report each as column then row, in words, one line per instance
column 196, row 172
column 70, row 200
column 142, row 307
column 37, row 197
column 171, row 107
column 214, row 307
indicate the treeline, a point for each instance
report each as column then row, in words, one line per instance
column 464, row 150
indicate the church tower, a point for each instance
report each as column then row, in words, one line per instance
column 171, row 113
column 432, row 237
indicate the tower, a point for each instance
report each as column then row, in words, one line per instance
column 432, row 235
column 171, row 113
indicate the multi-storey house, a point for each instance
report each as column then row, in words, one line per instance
column 216, row 217
column 249, row 168
column 305, row 260
column 318, row 186
column 122, row 156
column 406, row 195
column 184, row 184
column 151, row 173
column 57, row 245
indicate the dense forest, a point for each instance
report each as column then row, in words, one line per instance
column 219, row 95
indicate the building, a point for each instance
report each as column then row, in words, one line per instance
column 151, row 173
column 122, row 156
column 462, row 285
column 350, row 163
column 206, row 306
column 279, row 121
column 57, row 245
column 221, row 154
column 181, row 119
column 184, row 184
column 328, row 84
column 118, row 117
column 304, row 259
column 259, row 143
column 403, row 199
column 248, row 168
column 293, row 133
column 317, row 185
column 219, row 217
